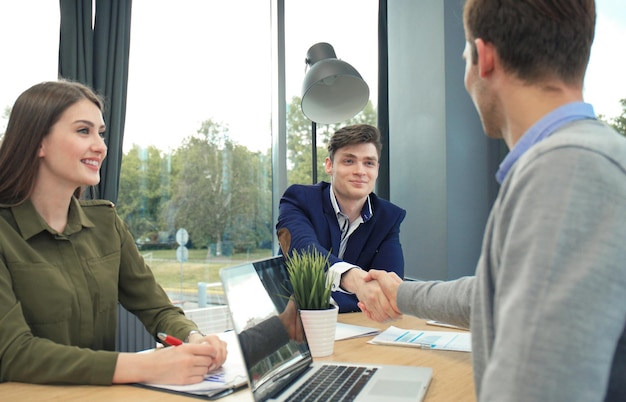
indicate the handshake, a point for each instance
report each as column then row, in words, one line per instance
column 376, row 291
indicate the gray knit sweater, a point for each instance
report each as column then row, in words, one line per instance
column 547, row 306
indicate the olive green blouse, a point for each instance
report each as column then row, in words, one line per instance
column 59, row 294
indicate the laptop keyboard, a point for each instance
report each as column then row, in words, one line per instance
column 333, row 383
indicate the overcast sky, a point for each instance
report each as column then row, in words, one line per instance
column 177, row 84
column 223, row 69
column 605, row 83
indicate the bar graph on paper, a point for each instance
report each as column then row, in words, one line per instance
column 436, row 340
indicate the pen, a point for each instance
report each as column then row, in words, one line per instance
column 425, row 345
column 170, row 340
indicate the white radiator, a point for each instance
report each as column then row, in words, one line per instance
column 212, row 319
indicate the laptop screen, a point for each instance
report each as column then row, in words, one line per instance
column 267, row 324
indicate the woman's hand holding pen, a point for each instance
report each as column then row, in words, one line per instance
column 180, row 365
column 184, row 364
column 219, row 346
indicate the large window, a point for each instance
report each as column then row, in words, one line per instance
column 197, row 141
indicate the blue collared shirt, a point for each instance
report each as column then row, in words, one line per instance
column 338, row 268
column 542, row 129
column 347, row 227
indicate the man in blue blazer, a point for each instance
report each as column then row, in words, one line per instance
column 360, row 230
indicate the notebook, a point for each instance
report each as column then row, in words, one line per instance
column 277, row 365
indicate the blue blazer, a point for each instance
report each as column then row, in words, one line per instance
column 308, row 214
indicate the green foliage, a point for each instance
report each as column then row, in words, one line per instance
column 619, row 122
column 144, row 189
column 308, row 273
column 216, row 189
column 202, row 196
column 251, row 219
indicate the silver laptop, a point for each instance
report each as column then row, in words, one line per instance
column 279, row 365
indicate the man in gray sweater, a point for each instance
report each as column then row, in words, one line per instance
column 547, row 305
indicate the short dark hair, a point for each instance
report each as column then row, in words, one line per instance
column 535, row 39
column 355, row 134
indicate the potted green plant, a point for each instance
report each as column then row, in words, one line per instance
column 312, row 285
column 309, row 276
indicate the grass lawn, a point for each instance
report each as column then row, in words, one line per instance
column 200, row 267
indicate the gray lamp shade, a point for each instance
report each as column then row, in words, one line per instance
column 332, row 91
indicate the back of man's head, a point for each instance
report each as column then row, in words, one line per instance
column 353, row 135
column 536, row 40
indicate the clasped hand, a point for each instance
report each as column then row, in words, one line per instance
column 376, row 292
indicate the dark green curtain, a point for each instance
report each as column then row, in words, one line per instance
column 98, row 56
column 382, row 185
column 76, row 41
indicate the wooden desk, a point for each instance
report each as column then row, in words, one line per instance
column 452, row 373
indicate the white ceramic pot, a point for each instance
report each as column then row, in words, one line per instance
column 319, row 328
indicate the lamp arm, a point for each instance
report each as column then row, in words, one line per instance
column 314, row 151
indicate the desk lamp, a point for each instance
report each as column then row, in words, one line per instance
column 332, row 91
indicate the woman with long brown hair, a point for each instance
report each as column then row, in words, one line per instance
column 66, row 263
